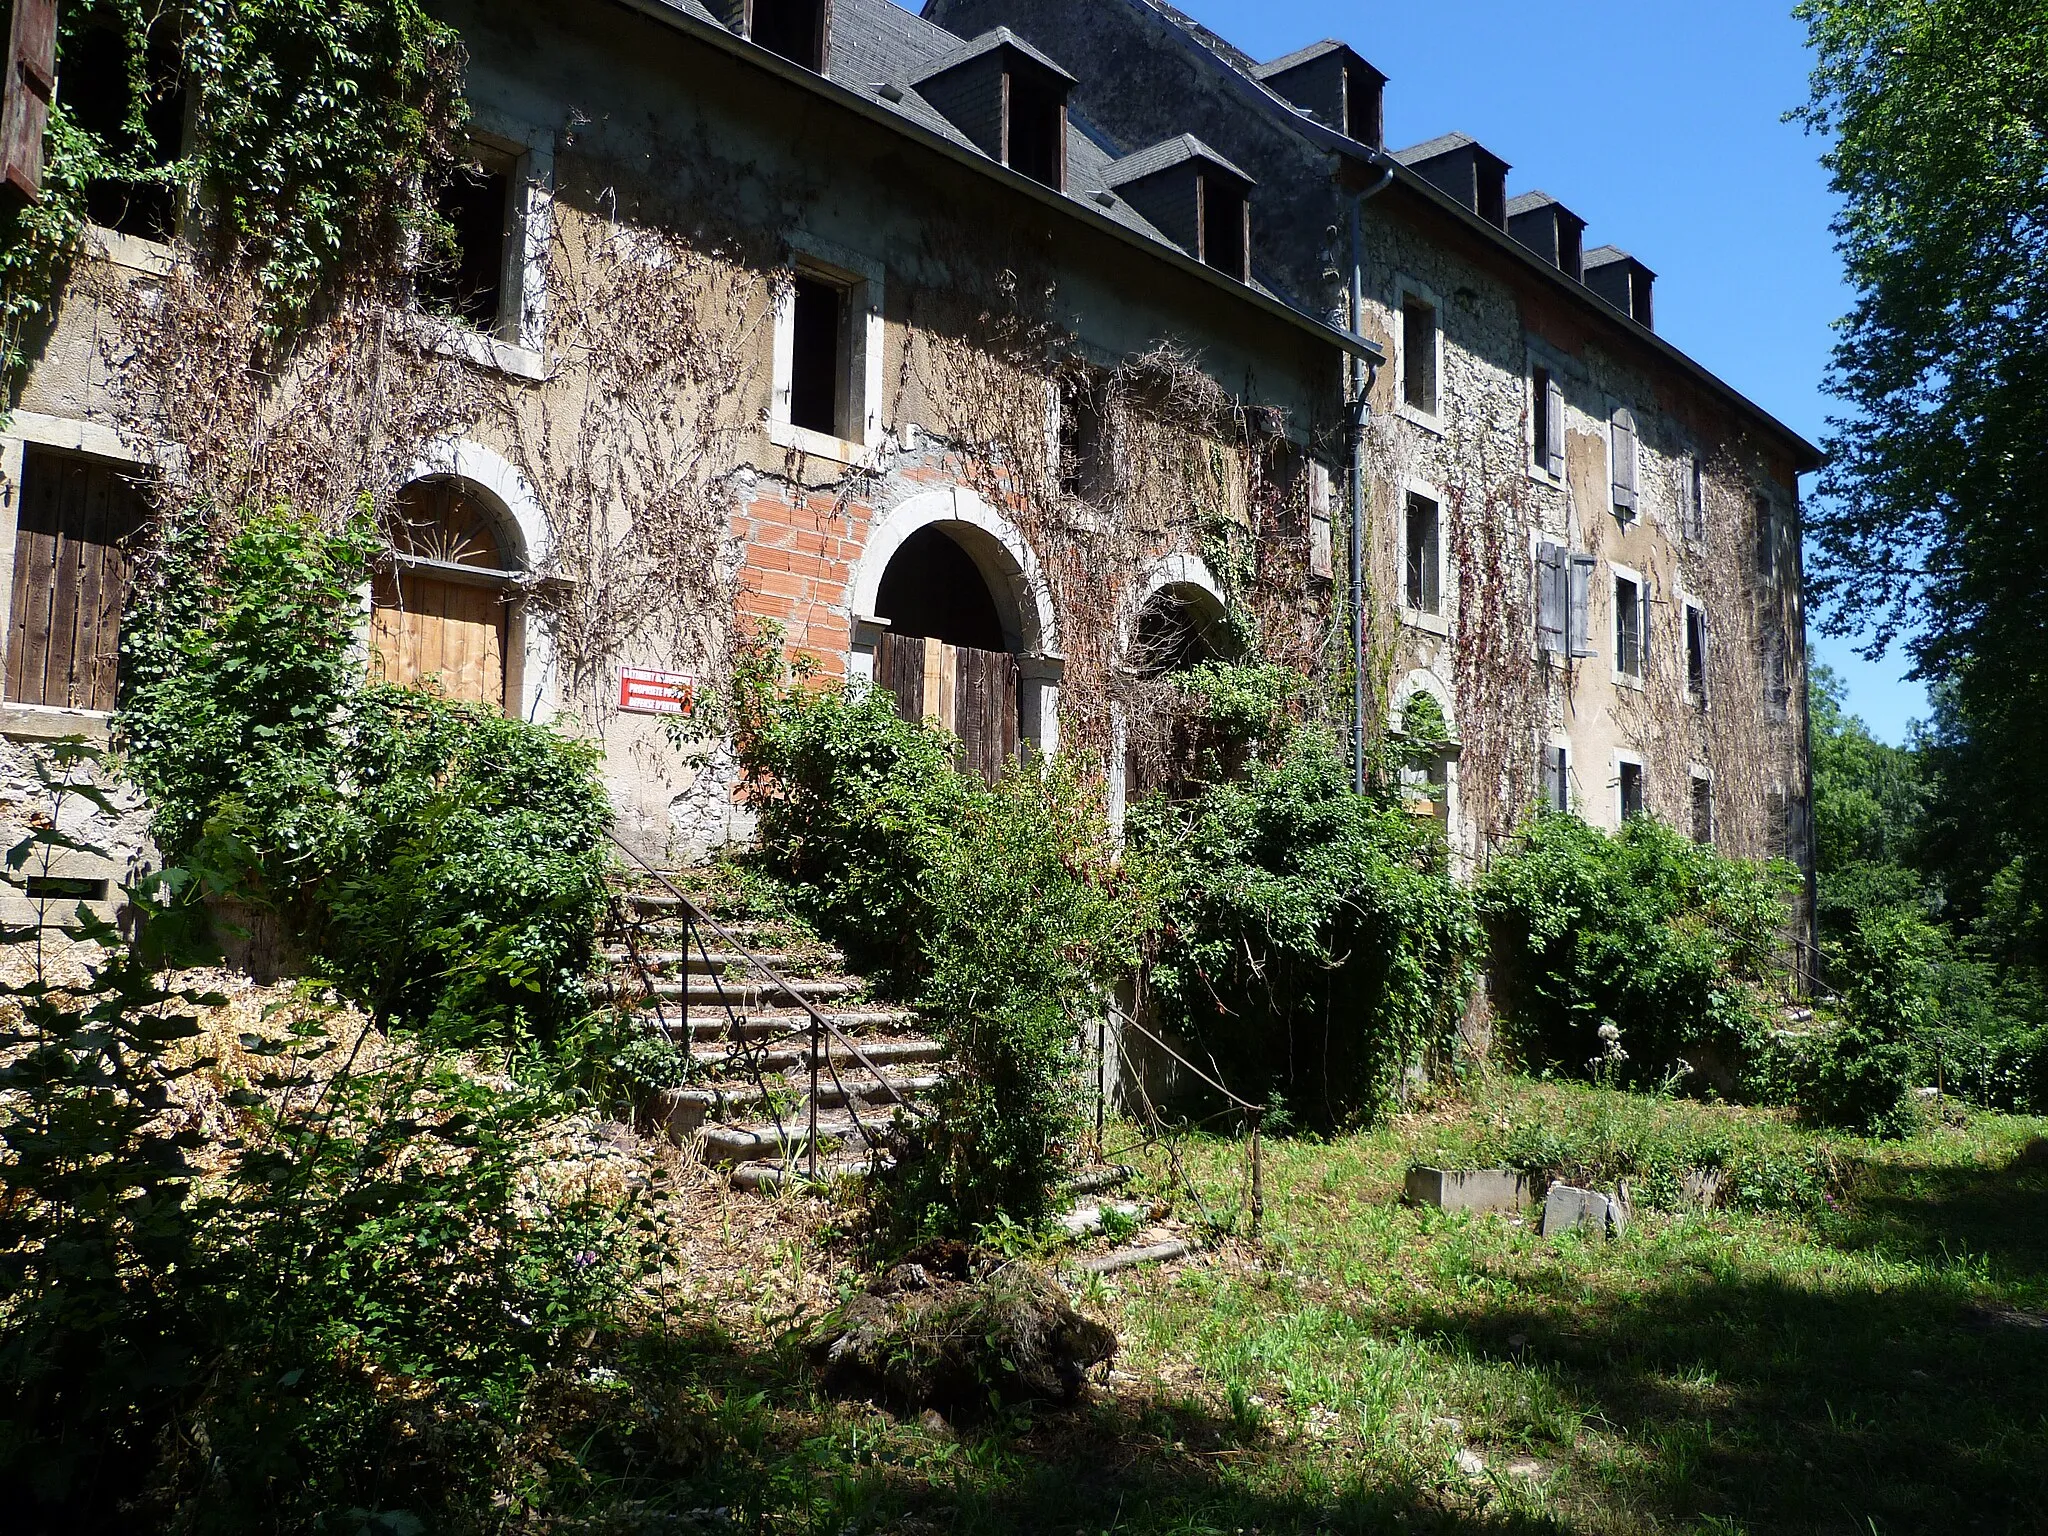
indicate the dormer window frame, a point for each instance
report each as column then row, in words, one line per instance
column 1058, row 92
column 742, row 17
column 1214, row 185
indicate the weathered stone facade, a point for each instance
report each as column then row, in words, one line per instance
column 845, row 348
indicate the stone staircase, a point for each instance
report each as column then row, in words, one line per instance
column 750, row 1102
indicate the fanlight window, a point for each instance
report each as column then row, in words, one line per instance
column 443, row 616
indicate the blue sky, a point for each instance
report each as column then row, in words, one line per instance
column 1663, row 125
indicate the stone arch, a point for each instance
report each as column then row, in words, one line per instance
column 1009, row 570
column 1185, row 580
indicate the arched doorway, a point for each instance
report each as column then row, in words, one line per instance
column 1180, row 625
column 446, row 610
column 944, row 652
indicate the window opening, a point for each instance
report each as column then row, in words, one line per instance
column 65, row 888
column 1625, row 466
column 1223, row 227
column 817, row 356
column 1556, row 772
column 1631, row 791
column 795, row 29
column 72, row 574
column 1696, row 652
column 97, row 90
column 1702, row 809
column 469, row 280
column 1547, row 411
column 1766, row 538
column 1697, row 523
column 1418, row 354
column 1082, row 431
column 441, row 616
column 1628, row 628
column 1777, row 682
column 1038, row 125
column 1424, row 548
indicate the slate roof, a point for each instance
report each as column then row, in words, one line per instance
column 1309, row 55
column 989, row 42
column 1529, row 202
column 1442, row 144
column 1608, row 255
column 1174, row 151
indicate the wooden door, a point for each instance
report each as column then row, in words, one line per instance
column 72, row 572
column 974, row 694
column 455, row 631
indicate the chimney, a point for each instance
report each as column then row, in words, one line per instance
column 1551, row 230
column 1623, row 282
column 1465, row 171
column 1334, row 85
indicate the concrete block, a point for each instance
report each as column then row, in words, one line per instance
column 1496, row 1190
column 1566, row 1209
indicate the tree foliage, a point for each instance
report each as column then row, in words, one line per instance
column 1934, row 517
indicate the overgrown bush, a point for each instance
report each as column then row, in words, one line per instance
column 1311, row 940
column 997, row 909
column 1857, row 1071
column 336, row 1314
column 445, row 862
column 1634, row 957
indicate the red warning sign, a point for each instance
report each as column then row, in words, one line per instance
column 642, row 692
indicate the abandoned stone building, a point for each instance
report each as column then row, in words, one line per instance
column 1005, row 356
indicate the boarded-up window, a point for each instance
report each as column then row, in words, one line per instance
column 444, row 612
column 71, row 578
column 973, row 693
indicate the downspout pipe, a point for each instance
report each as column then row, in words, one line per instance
column 1363, row 374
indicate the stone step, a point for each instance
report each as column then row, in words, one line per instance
column 707, row 992
column 766, row 1178
column 685, row 1111
column 765, row 1141
column 709, row 1026
column 796, row 1054
column 721, row 962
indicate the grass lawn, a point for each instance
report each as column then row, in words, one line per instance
column 1855, row 1341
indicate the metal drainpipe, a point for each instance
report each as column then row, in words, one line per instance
column 1362, row 375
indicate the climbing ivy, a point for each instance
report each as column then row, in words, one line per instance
column 322, row 132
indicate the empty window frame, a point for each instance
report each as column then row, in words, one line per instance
column 474, row 278
column 1631, row 623
column 1702, row 808
column 1777, row 677
column 819, row 364
column 1226, row 226
column 795, row 29
column 1554, row 775
column 1082, row 436
column 1696, row 503
column 1696, row 653
column 1546, row 414
column 1037, row 129
column 72, row 573
column 1625, row 454
column 1422, row 556
column 1766, row 538
column 1630, row 789
column 1419, row 338
column 99, row 88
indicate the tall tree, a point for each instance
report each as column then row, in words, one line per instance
column 1933, row 520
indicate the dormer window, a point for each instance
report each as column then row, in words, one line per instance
column 1330, row 82
column 1194, row 197
column 795, row 29
column 1008, row 100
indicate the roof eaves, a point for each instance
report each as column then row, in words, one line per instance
column 693, row 19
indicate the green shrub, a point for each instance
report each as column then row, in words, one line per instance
column 1310, row 939
column 1858, row 1072
column 997, row 909
column 446, row 863
column 1634, row 956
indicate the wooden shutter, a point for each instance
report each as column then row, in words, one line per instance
column 1553, row 427
column 1583, row 568
column 30, row 85
column 1624, row 464
column 71, row 581
column 1552, row 601
column 1321, row 546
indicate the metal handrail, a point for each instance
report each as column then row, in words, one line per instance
column 820, row 1025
